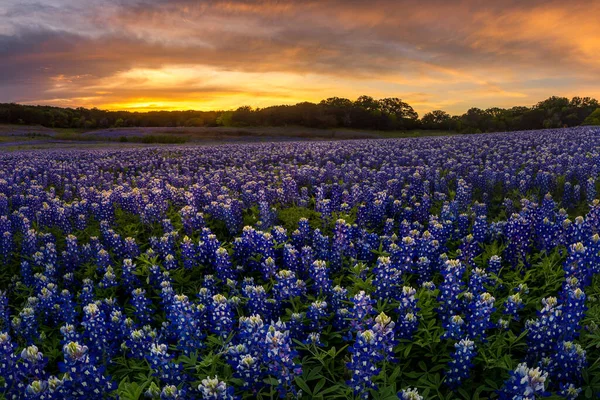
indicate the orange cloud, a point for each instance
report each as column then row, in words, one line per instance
column 222, row 54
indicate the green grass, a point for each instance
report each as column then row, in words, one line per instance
column 72, row 130
column 162, row 139
column 78, row 137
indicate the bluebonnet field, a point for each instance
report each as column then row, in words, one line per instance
column 450, row 267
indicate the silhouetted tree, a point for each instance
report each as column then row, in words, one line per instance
column 363, row 113
column 437, row 119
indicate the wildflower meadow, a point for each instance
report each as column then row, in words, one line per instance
column 456, row 267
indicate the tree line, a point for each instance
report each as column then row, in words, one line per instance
column 335, row 112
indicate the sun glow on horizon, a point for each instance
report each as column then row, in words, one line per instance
column 222, row 55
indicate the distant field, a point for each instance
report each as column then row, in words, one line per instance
column 20, row 136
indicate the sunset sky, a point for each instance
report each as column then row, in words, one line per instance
column 191, row 54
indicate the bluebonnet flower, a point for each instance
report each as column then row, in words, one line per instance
column 207, row 247
column 102, row 260
column 221, row 316
column 387, row 279
column 268, row 268
column 544, row 332
column 339, row 297
column 163, row 366
column 574, row 307
column 304, row 229
column 166, row 294
column 40, row 389
column 512, row 306
column 319, row 273
column 462, row 225
column 26, row 273
column 317, row 312
column 407, row 310
column 248, row 368
column 142, row 306
column 503, row 324
column 69, row 333
column 409, row 394
column 569, row 391
column 548, row 232
column 307, row 257
column 192, row 219
column 287, row 286
column 580, row 263
column 452, row 271
column 223, row 266
column 279, row 358
column 296, row 326
column 109, row 279
column 578, row 231
column 518, row 232
column 477, row 279
column 480, row 228
column 279, row 234
column 366, row 353
column 566, row 365
column 188, row 321
column 469, row 249
column 188, row 253
column 131, row 248
column 521, row 288
column 87, row 295
column 568, row 195
column 251, row 336
column 29, row 243
column 170, row 262
column 117, row 327
column 361, row 311
column 96, row 329
column 128, row 278
column 385, row 334
column 321, row 245
column 8, row 359
column 461, row 364
column 30, row 367
column 524, row 383
column 215, row 389
column 453, row 328
column 313, row 338
column 171, row 392
column 26, row 324
column 82, row 378
column 139, row 342
column 291, row 258
column 480, row 311
column 257, row 301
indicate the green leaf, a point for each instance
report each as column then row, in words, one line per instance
column 319, row 386
column 302, row 384
column 314, row 373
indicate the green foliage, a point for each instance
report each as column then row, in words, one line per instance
column 87, row 119
column 225, row 119
column 289, row 217
column 165, row 139
column 593, row 118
